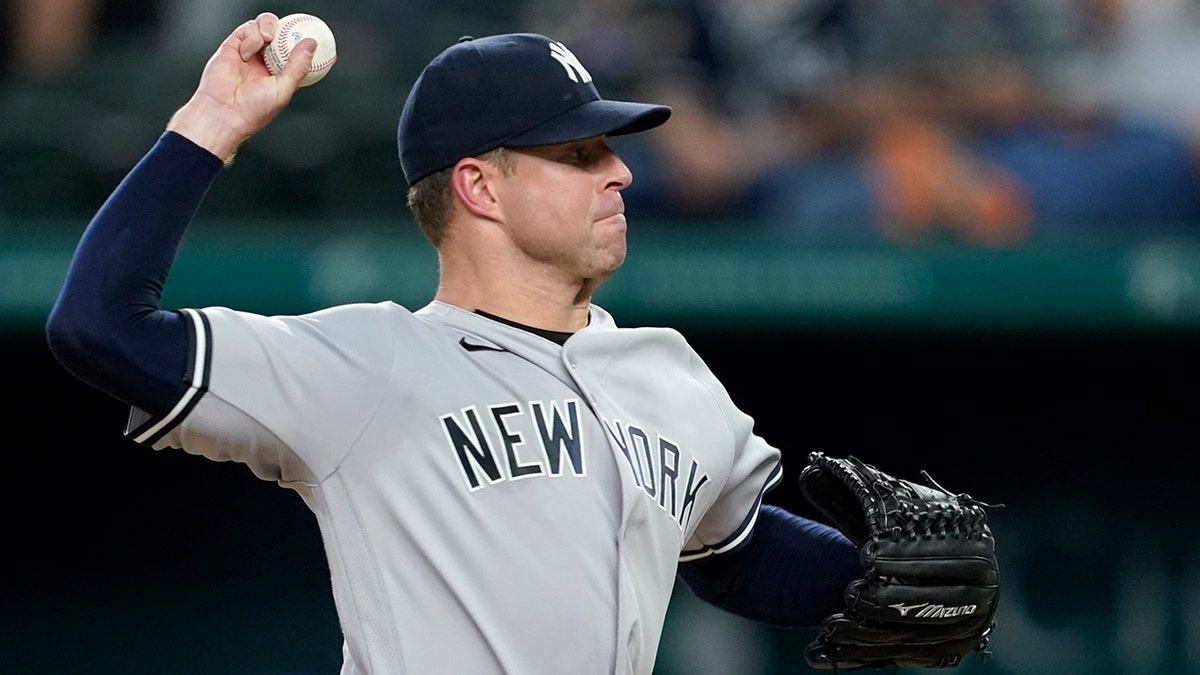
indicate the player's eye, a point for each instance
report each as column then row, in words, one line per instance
column 580, row 156
column 586, row 155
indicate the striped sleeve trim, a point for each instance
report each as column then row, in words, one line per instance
column 146, row 430
column 743, row 530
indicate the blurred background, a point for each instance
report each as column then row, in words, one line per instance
column 953, row 235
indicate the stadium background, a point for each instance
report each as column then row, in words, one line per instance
column 1057, row 377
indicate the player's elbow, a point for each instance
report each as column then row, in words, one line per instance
column 61, row 333
column 72, row 340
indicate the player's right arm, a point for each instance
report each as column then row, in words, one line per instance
column 107, row 326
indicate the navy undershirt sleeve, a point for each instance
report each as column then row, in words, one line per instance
column 107, row 326
column 791, row 573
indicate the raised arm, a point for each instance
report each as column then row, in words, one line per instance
column 107, row 326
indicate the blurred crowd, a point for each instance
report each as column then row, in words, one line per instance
column 988, row 122
column 985, row 121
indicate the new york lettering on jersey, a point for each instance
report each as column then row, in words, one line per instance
column 654, row 461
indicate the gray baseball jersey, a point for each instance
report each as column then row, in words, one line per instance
column 490, row 501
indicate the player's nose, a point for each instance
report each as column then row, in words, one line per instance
column 619, row 175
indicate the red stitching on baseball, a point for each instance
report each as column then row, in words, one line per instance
column 285, row 52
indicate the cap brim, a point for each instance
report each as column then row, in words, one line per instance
column 594, row 118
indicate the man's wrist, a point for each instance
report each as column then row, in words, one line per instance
column 206, row 131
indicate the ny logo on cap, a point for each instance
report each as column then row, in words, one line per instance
column 574, row 68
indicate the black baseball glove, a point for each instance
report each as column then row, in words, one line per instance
column 931, row 581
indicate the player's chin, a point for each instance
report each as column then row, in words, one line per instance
column 609, row 259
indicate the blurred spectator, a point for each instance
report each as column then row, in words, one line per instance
column 47, row 40
column 908, row 119
column 1083, row 167
column 1146, row 63
column 65, row 142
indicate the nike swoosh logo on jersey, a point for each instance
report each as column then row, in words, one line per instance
column 474, row 347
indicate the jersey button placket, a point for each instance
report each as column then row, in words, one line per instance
column 574, row 366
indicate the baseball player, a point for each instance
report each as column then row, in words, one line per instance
column 505, row 480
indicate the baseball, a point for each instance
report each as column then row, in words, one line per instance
column 292, row 29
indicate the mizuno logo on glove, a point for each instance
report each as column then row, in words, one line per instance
column 929, row 611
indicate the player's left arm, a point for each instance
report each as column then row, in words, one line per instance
column 791, row 572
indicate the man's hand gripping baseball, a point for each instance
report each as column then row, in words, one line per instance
column 237, row 95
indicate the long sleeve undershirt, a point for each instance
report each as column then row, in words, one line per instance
column 791, row 573
column 107, row 326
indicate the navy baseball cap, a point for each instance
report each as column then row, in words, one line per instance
column 513, row 90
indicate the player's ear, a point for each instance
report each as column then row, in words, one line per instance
column 471, row 179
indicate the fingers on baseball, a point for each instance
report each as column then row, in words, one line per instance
column 300, row 61
column 252, row 35
column 267, row 25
